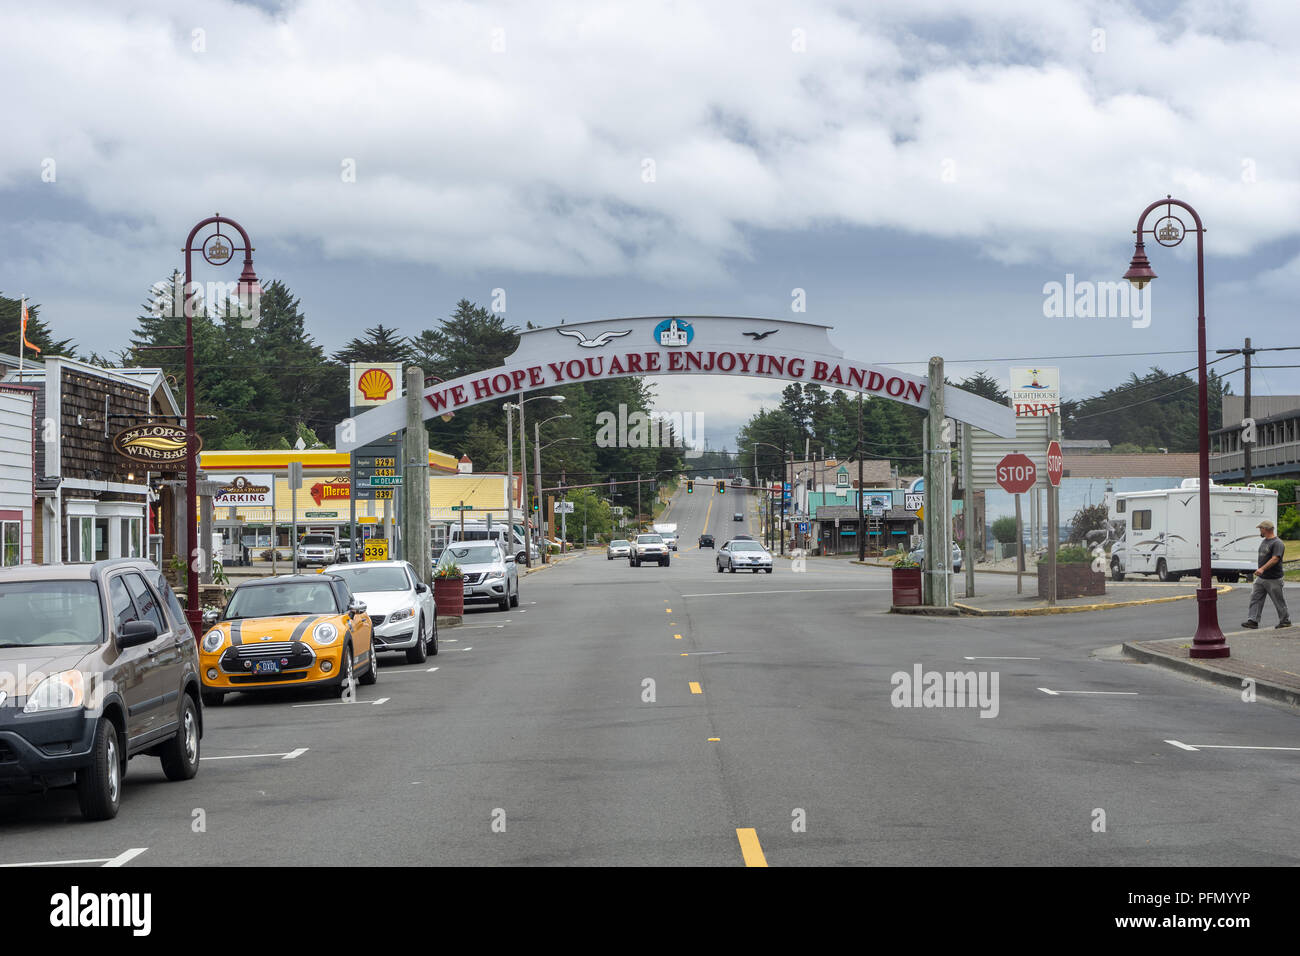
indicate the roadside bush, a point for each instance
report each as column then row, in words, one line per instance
column 1087, row 518
column 1004, row 530
column 1073, row 554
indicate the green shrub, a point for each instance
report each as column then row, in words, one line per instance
column 1004, row 530
column 1073, row 555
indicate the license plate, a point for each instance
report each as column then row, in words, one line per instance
column 266, row 667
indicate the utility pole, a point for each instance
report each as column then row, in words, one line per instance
column 1246, row 353
column 862, row 537
column 638, row 501
column 537, row 477
column 782, row 493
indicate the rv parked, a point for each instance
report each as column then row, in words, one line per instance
column 1161, row 530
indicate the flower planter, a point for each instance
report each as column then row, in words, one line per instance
column 1072, row 580
column 907, row 587
column 449, row 596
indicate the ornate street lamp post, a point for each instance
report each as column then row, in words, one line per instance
column 1170, row 230
column 217, row 250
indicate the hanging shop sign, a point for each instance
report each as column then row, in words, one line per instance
column 156, row 445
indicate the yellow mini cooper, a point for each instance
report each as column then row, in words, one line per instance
column 293, row 631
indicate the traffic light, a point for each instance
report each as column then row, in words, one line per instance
column 722, row 487
column 690, row 486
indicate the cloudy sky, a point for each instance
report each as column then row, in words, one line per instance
column 921, row 169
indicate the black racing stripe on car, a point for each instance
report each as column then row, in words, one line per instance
column 305, row 623
column 235, row 628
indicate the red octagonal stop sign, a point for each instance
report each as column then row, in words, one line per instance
column 1055, row 463
column 1016, row 474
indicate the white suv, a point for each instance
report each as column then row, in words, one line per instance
column 322, row 549
column 648, row 547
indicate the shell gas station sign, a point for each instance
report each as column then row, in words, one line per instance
column 374, row 383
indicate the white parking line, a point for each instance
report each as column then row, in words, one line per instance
column 431, row 670
column 342, row 703
column 1003, row 659
column 1103, row 693
column 287, row 756
column 1195, row 747
column 481, row 625
column 118, row 860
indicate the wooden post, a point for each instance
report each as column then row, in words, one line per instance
column 1020, row 549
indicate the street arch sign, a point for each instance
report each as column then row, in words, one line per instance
column 776, row 349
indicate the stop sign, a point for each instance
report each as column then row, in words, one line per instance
column 1055, row 463
column 1016, row 474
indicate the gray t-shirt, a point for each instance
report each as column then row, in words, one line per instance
column 1268, row 548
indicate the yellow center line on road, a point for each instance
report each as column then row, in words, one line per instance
column 750, row 848
column 695, row 687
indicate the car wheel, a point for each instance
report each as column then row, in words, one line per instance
column 433, row 642
column 514, row 601
column 731, row 568
column 372, row 672
column 420, row 652
column 1162, row 570
column 768, row 570
column 212, row 698
column 665, row 562
column 99, row 786
column 1115, row 573
column 719, row 568
column 180, row 755
column 345, row 671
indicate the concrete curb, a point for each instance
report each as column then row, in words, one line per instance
column 1263, row 688
column 924, row 610
column 1075, row 608
column 450, row 620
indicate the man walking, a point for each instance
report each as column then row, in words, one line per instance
column 1268, row 579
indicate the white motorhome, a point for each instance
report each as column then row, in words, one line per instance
column 500, row 533
column 669, row 533
column 1161, row 530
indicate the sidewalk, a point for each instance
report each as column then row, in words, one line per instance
column 997, row 597
column 1269, row 657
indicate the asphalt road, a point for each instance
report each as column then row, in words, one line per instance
column 534, row 738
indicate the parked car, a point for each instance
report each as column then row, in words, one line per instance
column 302, row 630
column 318, row 549
column 706, row 541
column 618, row 548
column 739, row 554
column 648, row 547
column 97, row 666
column 918, row 555
column 490, row 575
column 400, row 607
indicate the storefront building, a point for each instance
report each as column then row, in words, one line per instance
column 17, row 473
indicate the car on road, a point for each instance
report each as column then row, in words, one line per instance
column 738, row 517
column 303, row 630
column 706, row 541
column 739, row 554
column 671, row 541
column 743, row 537
column 491, row 575
column 648, row 547
column 318, row 550
column 400, row 606
column 918, row 555
column 618, row 548
column 97, row 665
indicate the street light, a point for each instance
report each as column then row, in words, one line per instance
column 1170, row 231
column 217, row 250
column 523, row 463
column 537, row 467
column 770, row 509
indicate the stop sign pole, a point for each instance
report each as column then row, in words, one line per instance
column 1055, row 469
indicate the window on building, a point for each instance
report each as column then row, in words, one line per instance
column 81, row 542
column 1142, row 520
column 1120, row 506
column 101, row 539
column 130, row 538
column 11, row 539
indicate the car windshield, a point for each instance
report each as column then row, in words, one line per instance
column 620, row 543
column 316, row 540
column 280, row 600
column 746, row 546
column 470, row 554
column 383, row 578
column 649, row 539
column 50, row 612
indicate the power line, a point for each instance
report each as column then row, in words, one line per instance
column 1146, row 401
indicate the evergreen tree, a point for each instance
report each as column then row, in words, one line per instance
column 38, row 331
column 381, row 344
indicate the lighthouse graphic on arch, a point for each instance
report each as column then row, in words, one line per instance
column 674, row 332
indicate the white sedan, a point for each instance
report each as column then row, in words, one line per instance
column 401, row 607
column 743, row 554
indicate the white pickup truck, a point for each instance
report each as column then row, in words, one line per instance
column 648, row 547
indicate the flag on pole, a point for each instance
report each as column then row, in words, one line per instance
column 24, row 329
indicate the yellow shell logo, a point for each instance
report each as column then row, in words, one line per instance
column 375, row 384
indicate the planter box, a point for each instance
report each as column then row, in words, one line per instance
column 1072, row 580
column 449, row 596
column 907, row 587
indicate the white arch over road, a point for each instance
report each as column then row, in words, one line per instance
column 777, row 349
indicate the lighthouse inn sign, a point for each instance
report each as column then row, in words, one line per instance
column 777, row 349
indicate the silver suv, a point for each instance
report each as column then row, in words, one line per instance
column 648, row 547
column 97, row 665
column 320, row 549
column 491, row 575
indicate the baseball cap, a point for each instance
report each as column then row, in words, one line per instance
column 1266, row 525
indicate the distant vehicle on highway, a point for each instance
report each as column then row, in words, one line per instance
column 738, row 517
column 319, row 549
column 618, row 548
column 706, row 541
column 738, row 554
column 648, row 547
